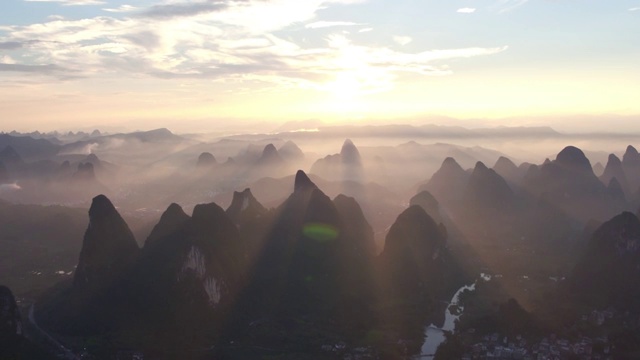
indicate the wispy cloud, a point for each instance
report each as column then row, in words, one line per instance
column 466, row 10
column 508, row 5
column 10, row 45
column 365, row 30
column 402, row 40
column 49, row 69
column 232, row 41
column 183, row 9
column 72, row 2
column 326, row 24
column 121, row 9
column 635, row 9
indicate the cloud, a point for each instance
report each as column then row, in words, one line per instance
column 72, row 2
column 466, row 10
column 184, row 9
column 508, row 5
column 10, row 45
column 48, row 69
column 121, row 9
column 6, row 59
column 365, row 30
column 402, row 40
column 635, row 9
column 326, row 24
column 228, row 42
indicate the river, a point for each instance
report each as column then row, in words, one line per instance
column 434, row 335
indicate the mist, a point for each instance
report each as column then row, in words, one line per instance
column 473, row 217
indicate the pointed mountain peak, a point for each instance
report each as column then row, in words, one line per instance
column 101, row 207
column 85, row 172
column 613, row 160
column 171, row 221
column 206, row 159
column 451, row 163
column 480, row 167
column 244, row 201
column 631, row 151
column 425, row 200
column 108, row 249
column 573, row 157
column 291, row 151
column 174, row 210
column 349, row 153
column 614, row 171
column 303, row 183
column 206, row 212
column 269, row 150
column 504, row 163
column 414, row 229
column 270, row 155
column 631, row 157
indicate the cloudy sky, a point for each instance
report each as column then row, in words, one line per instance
column 201, row 65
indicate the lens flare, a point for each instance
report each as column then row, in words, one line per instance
column 320, row 232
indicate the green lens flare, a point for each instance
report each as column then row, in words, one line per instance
column 320, row 232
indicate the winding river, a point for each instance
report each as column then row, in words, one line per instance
column 434, row 335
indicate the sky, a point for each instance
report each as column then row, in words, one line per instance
column 206, row 65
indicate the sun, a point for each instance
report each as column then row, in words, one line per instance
column 346, row 86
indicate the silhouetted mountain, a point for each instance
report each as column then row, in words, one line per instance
column 290, row 151
column 448, row 183
column 598, row 169
column 253, row 221
column 303, row 183
column 614, row 170
column 417, row 273
column 411, row 255
column 573, row 158
column 349, row 154
column 28, row 147
column 357, row 227
column 244, row 204
column 157, row 135
column 270, row 156
column 10, row 322
column 346, row 166
column 631, row 166
column 486, row 190
column 85, row 172
column 616, row 191
column 508, row 170
column 206, row 159
column 572, row 186
column 188, row 272
column 607, row 274
column 425, row 200
column 171, row 221
column 311, row 264
column 548, row 225
column 108, row 249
